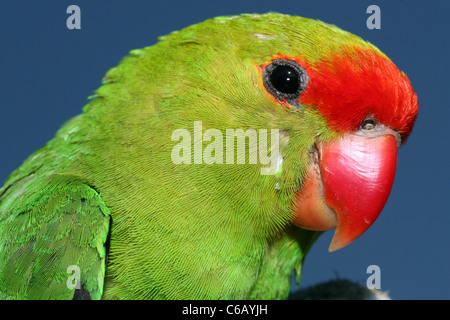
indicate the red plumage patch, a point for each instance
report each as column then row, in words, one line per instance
column 352, row 85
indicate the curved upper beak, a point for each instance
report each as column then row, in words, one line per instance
column 347, row 185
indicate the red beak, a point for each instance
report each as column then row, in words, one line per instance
column 347, row 185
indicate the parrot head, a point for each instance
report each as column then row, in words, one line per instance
column 341, row 108
column 370, row 105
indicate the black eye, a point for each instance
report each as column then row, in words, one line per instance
column 285, row 80
column 368, row 124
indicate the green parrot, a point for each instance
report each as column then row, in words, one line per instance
column 206, row 166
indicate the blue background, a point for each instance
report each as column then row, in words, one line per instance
column 47, row 72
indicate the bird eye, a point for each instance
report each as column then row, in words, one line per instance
column 285, row 80
column 368, row 124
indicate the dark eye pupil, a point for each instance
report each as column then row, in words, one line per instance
column 285, row 79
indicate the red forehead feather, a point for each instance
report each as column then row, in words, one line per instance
column 350, row 86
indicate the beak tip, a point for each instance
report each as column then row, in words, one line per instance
column 336, row 244
column 343, row 237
